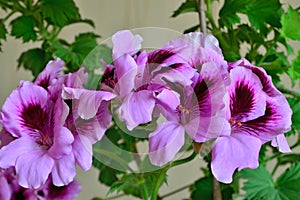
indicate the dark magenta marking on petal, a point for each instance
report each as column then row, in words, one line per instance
column 241, row 101
column 36, row 120
column 108, row 77
column 201, row 91
column 158, row 57
column 44, row 83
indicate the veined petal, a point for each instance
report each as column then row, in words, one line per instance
column 76, row 79
column 165, row 142
column 15, row 149
column 247, row 99
column 95, row 127
column 233, row 152
column 51, row 71
column 64, row 170
column 82, row 150
column 62, row 142
column 126, row 71
column 124, row 42
column 24, row 109
column 88, row 100
column 137, row 108
column 33, row 168
column 5, row 190
column 265, row 79
column 281, row 142
column 275, row 121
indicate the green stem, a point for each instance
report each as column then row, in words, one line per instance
column 163, row 171
column 275, row 168
column 176, row 191
column 109, row 198
column 145, row 191
column 158, row 182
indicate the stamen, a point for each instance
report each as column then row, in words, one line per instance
column 234, row 122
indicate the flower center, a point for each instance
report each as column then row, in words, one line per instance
column 183, row 109
column 234, row 122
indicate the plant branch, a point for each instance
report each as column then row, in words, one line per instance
column 202, row 17
column 176, row 191
column 216, row 189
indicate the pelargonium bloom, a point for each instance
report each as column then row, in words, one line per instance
column 138, row 78
column 200, row 113
column 42, row 145
column 258, row 113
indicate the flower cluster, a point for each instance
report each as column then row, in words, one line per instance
column 53, row 122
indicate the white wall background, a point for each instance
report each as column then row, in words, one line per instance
column 109, row 17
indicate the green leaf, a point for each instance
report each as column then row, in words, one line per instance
column 3, row 30
column 228, row 13
column 288, row 183
column 23, row 27
column 259, row 183
column 295, row 105
column 34, row 60
column 288, row 158
column 191, row 29
column 187, row 6
column 294, row 70
column 261, row 13
column 60, row 12
column 290, row 24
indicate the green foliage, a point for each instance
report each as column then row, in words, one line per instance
column 187, row 6
column 260, row 184
column 290, row 23
column 294, row 70
column 23, row 27
column 59, row 12
column 43, row 21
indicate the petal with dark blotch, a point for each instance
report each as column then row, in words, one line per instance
column 64, row 170
column 210, row 90
column 25, row 110
column 33, row 168
column 266, row 80
column 124, row 42
column 247, row 99
column 137, row 108
column 10, row 153
column 233, row 152
column 275, row 121
column 282, row 144
column 51, row 71
column 165, row 142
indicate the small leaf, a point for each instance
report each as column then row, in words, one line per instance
column 192, row 29
column 60, row 12
column 288, row 183
column 34, row 60
column 295, row 105
column 259, row 183
column 290, row 24
column 23, row 27
column 187, row 6
column 294, row 70
column 261, row 13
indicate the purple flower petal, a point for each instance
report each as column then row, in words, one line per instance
column 82, row 150
column 51, row 71
column 5, row 190
column 247, row 99
column 76, row 79
column 281, row 142
column 33, row 168
column 275, row 121
column 64, row 170
column 234, row 152
column 67, row 192
column 95, row 127
column 137, row 108
column 16, row 148
column 18, row 109
column 88, row 100
column 125, row 42
column 165, row 142
column 62, row 143
column 126, row 71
